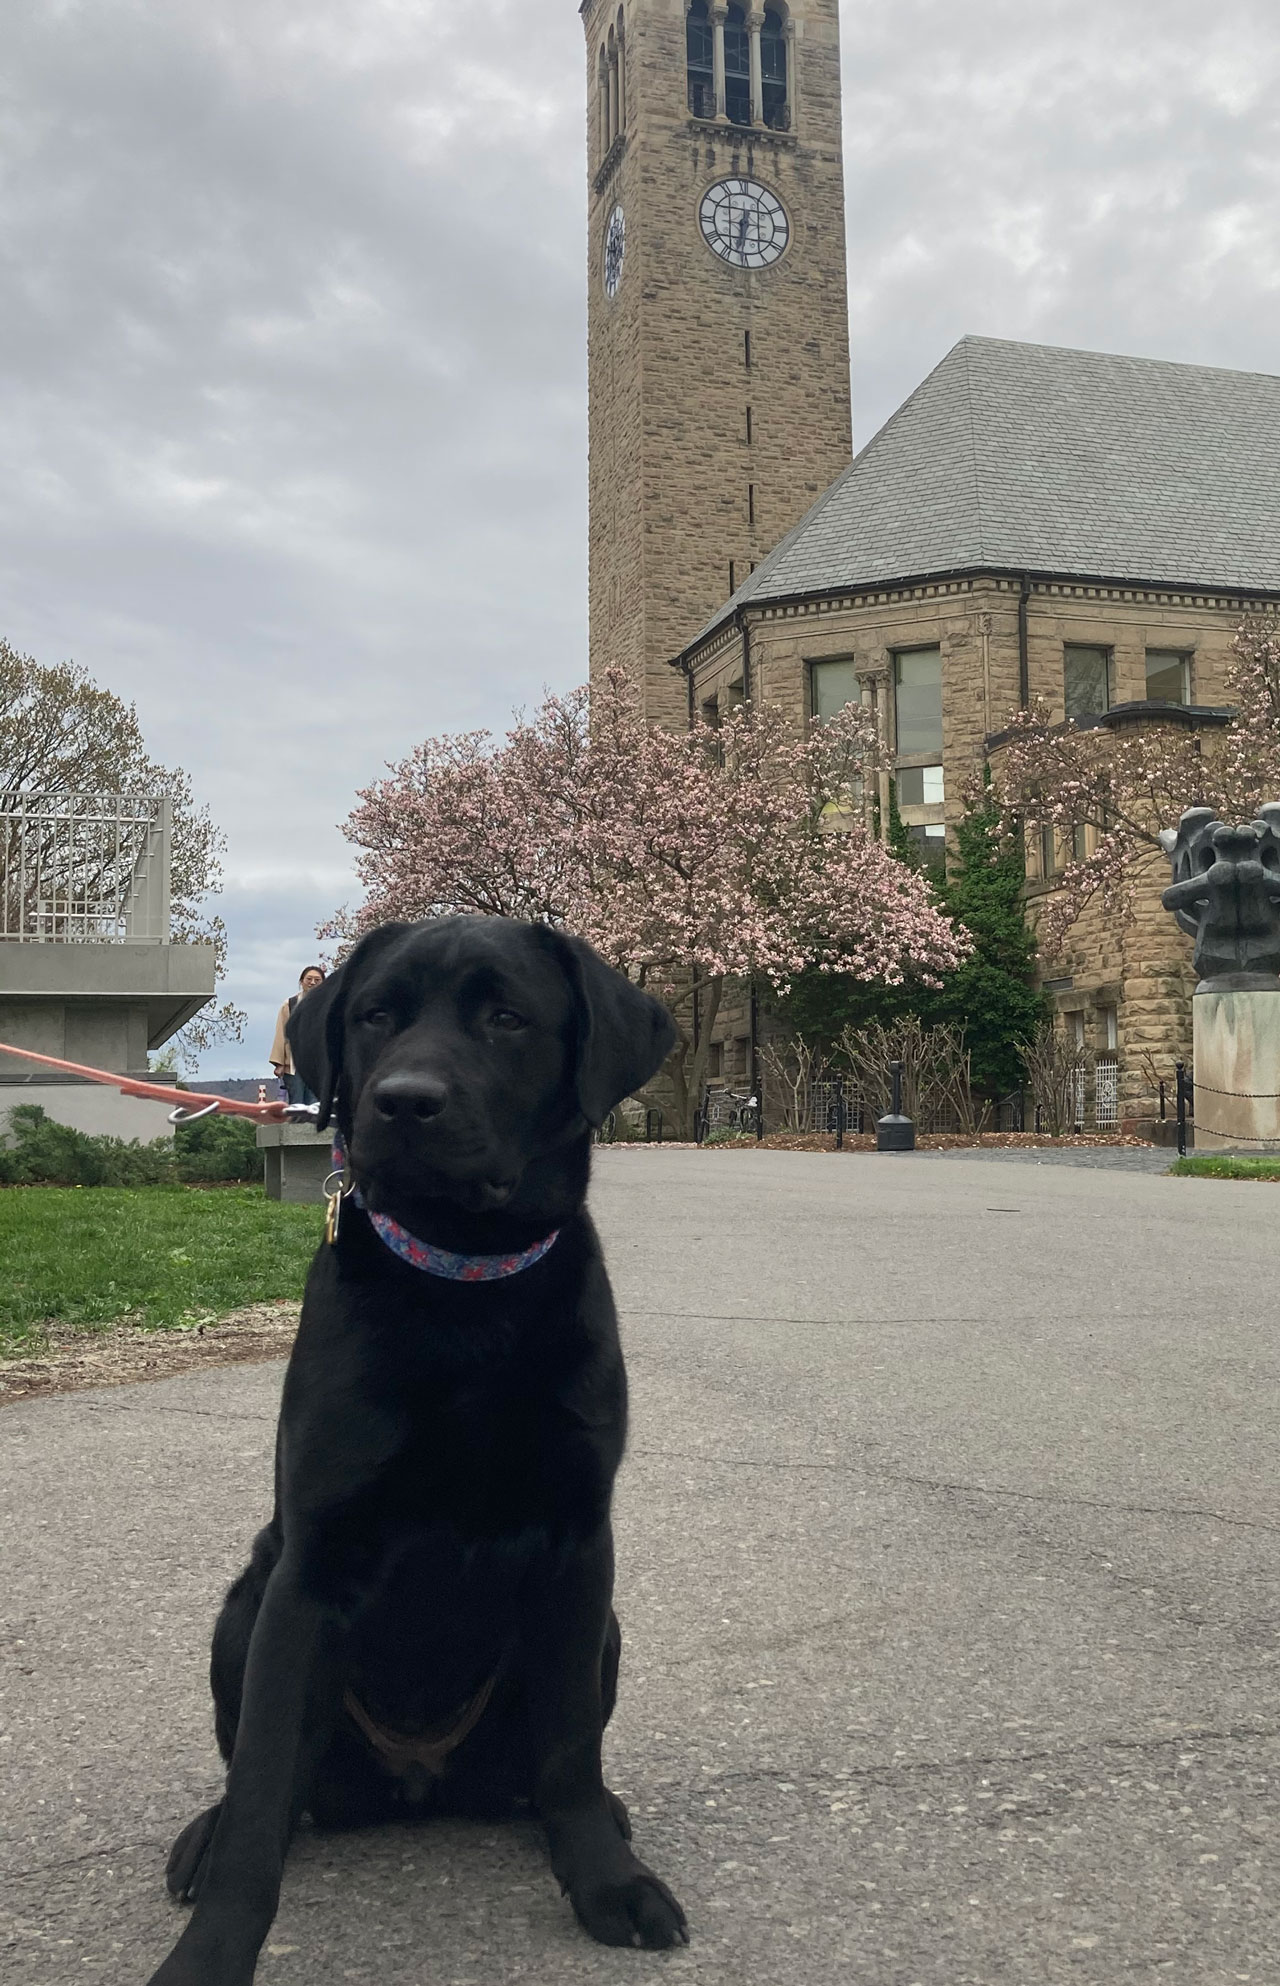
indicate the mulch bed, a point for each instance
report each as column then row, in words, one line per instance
column 124, row 1354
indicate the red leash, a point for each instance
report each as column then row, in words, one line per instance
column 191, row 1103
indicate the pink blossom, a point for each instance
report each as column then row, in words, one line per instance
column 683, row 856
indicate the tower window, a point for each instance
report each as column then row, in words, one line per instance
column 700, row 47
column 611, row 79
column 748, row 427
column 751, row 503
column 746, row 349
column 605, row 136
column 773, row 72
column 737, row 67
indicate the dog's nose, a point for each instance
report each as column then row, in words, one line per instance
column 406, row 1098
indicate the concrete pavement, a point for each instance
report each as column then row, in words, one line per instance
column 948, row 1582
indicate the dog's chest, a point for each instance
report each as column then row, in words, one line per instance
column 494, row 1463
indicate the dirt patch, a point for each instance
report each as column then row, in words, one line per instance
column 124, row 1355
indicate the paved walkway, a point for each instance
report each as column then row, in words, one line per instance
column 1097, row 1158
column 948, row 1576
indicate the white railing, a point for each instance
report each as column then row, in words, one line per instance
column 85, row 868
column 1106, row 1092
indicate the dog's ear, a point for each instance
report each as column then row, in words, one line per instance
column 624, row 1034
column 314, row 1029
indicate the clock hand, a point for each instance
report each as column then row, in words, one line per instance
column 743, row 223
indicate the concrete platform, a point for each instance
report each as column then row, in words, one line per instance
column 297, row 1161
column 948, row 1582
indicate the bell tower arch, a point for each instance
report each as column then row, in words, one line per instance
column 718, row 335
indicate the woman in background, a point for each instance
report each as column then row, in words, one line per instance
column 281, row 1060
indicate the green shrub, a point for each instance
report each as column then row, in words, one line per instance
column 218, row 1148
column 42, row 1152
column 38, row 1151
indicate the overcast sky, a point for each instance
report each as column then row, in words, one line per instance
column 293, row 392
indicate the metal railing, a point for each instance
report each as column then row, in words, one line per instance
column 1095, row 1102
column 85, row 868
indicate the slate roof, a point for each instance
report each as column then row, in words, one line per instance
column 1033, row 458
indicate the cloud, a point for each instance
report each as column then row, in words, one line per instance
column 1078, row 173
column 293, row 412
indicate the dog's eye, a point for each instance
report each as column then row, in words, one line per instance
column 506, row 1017
column 376, row 1017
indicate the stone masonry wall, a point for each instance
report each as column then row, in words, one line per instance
column 1142, row 967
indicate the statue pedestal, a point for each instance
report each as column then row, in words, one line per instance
column 1237, row 1049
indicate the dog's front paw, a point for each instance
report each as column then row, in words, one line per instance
column 208, row 1954
column 181, row 1970
column 635, row 1909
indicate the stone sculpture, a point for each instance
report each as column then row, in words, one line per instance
column 1226, row 894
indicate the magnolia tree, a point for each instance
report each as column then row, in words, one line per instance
column 685, row 857
column 1129, row 783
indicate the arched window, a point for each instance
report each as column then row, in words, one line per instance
column 611, row 84
column 604, row 100
column 737, row 67
column 775, row 109
column 622, row 73
column 700, row 46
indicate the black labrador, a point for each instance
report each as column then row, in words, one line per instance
column 426, row 1624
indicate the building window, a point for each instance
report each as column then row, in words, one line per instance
column 920, row 786
column 1048, row 852
column 773, row 72
column 1108, row 1024
column 917, row 678
column 700, row 46
column 831, row 686
column 1088, row 679
column 929, row 840
column 711, row 713
column 734, row 696
column 715, row 1061
column 604, row 100
column 737, row 67
column 1168, row 676
column 741, row 1055
column 1079, row 842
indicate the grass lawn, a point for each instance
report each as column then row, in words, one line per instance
column 1219, row 1165
column 161, row 1256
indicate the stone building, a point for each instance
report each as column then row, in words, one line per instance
column 717, row 319
column 1032, row 523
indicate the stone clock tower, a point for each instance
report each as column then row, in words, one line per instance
column 718, row 318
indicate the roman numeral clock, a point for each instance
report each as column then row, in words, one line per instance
column 717, row 320
column 744, row 223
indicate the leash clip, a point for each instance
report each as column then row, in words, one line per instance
column 334, row 1195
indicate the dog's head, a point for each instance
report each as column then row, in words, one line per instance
column 458, row 1054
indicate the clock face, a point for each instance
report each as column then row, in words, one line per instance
column 615, row 248
column 743, row 223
